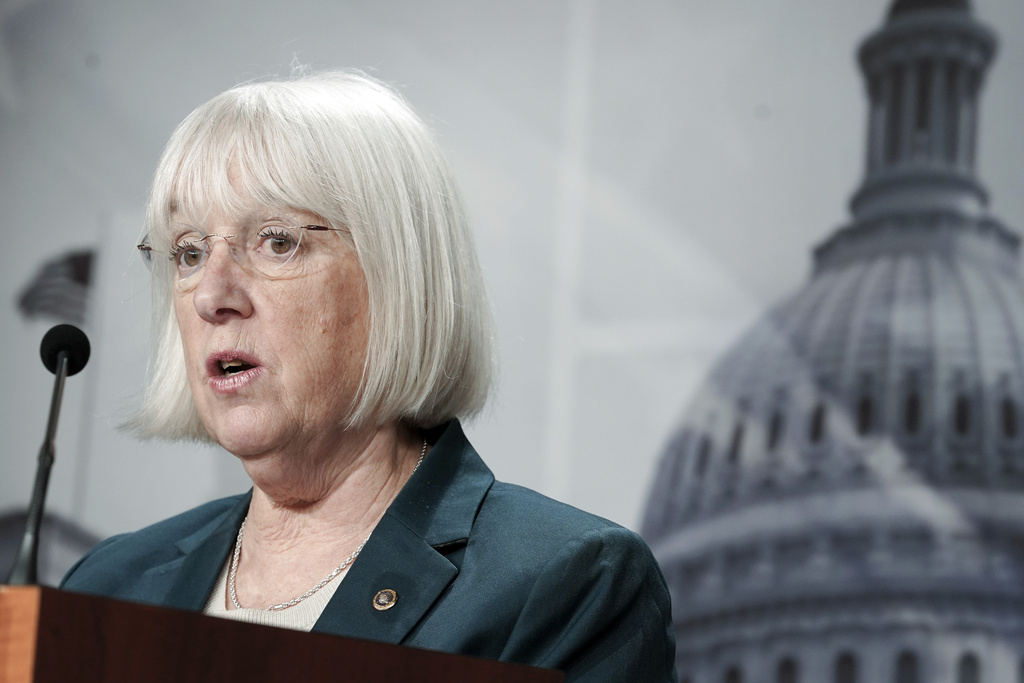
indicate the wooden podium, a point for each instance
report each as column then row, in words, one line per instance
column 49, row 636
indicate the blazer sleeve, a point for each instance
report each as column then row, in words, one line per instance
column 600, row 612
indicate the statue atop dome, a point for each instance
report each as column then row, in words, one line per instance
column 903, row 7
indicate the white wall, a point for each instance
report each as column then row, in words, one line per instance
column 644, row 179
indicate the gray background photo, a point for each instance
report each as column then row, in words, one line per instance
column 644, row 179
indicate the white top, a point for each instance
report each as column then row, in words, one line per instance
column 300, row 617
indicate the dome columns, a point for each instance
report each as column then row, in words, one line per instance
column 924, row 71
column 923, row 112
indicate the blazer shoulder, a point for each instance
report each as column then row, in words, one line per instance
column 132, row 554
column 582, row 594
column 513, row 519
column 519, row 507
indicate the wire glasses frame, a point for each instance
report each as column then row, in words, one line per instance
column 274, row 249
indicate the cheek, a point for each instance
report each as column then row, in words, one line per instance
column 342, row 311
column 186, row 324
column 191, row 343
column 340, row 330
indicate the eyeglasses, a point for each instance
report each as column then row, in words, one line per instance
column 272, row 251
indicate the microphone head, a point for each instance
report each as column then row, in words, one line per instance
column 65, row 338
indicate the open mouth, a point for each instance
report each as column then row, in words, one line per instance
column 230, row 370
column 234, row 366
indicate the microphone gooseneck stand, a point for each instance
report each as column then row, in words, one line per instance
column 23, row 573
column 65, row 351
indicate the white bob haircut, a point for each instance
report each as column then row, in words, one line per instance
column 349, row 149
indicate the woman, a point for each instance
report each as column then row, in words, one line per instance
column 320, row 315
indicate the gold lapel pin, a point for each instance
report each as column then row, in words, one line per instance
column 385, row 600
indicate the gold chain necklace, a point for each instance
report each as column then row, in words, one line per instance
column 294, row 601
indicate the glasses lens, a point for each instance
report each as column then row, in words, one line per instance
column 146, row 252
column 188, row 254
column 274, row 249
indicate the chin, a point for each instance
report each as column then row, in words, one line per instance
column 243, row 448
column 243, row 431
column 245, row 438
column 247, row 443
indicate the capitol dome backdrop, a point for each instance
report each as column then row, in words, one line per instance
column 844, row 498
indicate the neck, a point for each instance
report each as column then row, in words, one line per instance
column 350, row 488
column 307, row 514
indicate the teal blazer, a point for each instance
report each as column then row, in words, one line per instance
column 480, row 567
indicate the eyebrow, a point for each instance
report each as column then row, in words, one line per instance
column 251, row 219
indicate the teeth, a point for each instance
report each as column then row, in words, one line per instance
column 230, row 367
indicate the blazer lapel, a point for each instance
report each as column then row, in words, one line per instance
column 204, row 553
column 395, row 559
column 432, row 514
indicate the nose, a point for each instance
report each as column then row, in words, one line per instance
column 222, row 293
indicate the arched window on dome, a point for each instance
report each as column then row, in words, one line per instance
column 733, row 675
column 776, row 428
column 736, row 443
column 818, row 418
column 788, row 671
column 846, row 668
column 912, row 412
column 969, row 669
column 865, row 414
column 1008, row 417
column 906, row 667
column 962, row 414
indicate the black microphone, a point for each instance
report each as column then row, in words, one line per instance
column 65, row 338
column 65, row 351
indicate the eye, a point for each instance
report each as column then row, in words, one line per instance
column 188, row 255
column 277, row 242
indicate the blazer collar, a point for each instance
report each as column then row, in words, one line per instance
column 203, row 555
column 440, row 501
column 407, row 552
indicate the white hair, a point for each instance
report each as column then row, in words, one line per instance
column 349, row 149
